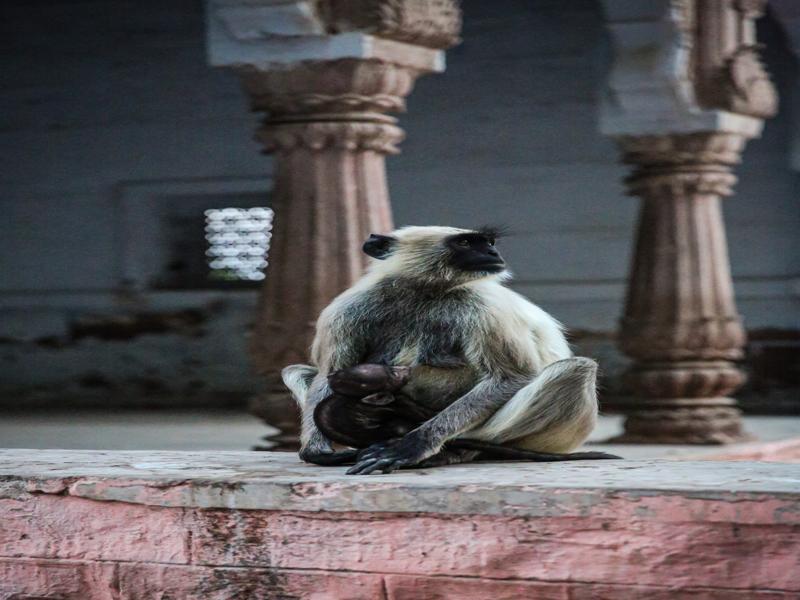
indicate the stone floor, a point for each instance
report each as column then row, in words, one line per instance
column 182, row 430
column 131, row 430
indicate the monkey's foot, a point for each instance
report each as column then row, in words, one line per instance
column 330, row 458
column 386, row 457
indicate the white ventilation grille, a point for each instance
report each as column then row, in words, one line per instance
column 238, row 242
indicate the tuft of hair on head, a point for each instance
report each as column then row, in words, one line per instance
column 493, row 232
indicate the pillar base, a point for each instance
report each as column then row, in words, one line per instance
column 708, row 421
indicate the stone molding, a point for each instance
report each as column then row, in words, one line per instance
column 320, row 87
column 318, row 136
column 721, row 147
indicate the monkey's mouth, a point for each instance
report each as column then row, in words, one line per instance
column 486, row 266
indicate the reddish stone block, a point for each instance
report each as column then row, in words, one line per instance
column 145, row 582
column 23, row 579
column 622, row 550
column 75, row 528
column 401, row 587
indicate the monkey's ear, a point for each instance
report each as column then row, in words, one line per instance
column 379, row 246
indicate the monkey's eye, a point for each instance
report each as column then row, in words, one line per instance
column 463, row 243
column 491, row 241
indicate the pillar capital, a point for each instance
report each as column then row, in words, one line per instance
column 689, row 165
column 350, row 136
column 368, row 87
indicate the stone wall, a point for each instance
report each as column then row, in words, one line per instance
column 130, row 525
column 109, row 108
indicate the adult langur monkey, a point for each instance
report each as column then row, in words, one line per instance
column 429, row 359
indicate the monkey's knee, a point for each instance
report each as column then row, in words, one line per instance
column 298, row 379
column 573, row 412
column 558, row 408
column 561, row 436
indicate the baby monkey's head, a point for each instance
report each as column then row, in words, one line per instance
column 438, row 254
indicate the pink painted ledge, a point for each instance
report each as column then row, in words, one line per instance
column 227, row 525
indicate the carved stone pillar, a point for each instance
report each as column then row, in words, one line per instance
column 687, row 92
column 329, row 138
column 325, row 75
column 680, row 322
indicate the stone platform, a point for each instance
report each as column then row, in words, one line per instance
column 92, row 525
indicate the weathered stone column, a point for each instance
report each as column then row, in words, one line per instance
column 325, row 74
column 687, row 91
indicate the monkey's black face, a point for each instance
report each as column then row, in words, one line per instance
column 474, row 252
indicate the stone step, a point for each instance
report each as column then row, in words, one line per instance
column 219, row 525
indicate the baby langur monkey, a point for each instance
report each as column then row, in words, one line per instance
column 429, row 359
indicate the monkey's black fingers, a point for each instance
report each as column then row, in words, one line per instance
column 362, row 466
column 373, row 451
column 385, row 465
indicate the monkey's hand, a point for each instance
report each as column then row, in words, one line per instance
column 390, row 456
column 329, row 458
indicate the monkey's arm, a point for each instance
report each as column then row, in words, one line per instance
column 469, row 411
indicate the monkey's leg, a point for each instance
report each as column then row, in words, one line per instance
column 547, row 418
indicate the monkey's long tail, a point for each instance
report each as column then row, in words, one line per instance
column 489, row 451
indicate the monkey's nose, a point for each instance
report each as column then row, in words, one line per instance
column 492, row 252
